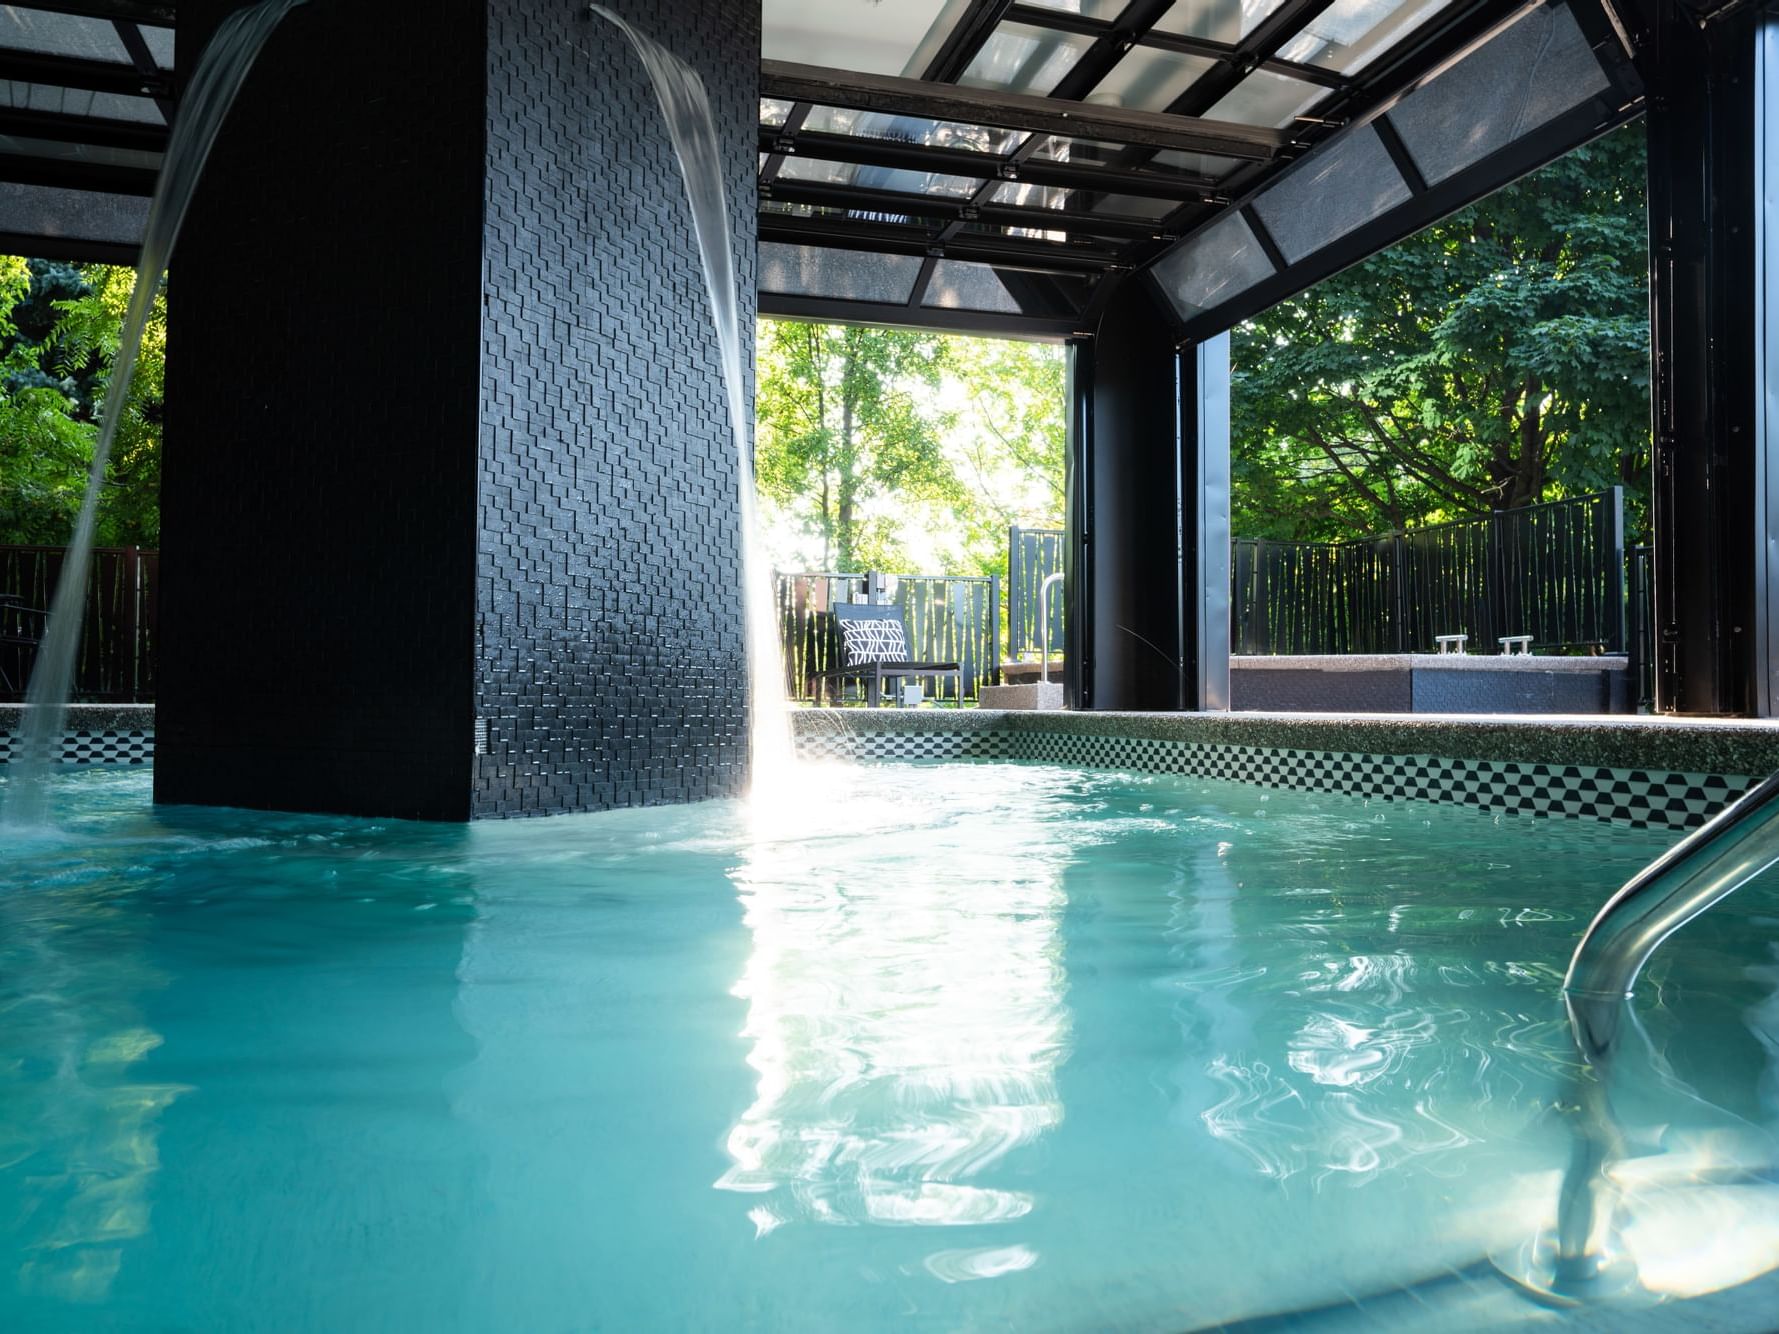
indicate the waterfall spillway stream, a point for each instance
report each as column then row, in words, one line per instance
column 692, row 128
column 218, row 78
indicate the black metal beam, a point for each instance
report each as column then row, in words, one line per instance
column 824, row 310
column 1014, row 111
column 143, row 59
column 91, row 76
column 83, row 130
column 72, row 250
column 865, row 152
column 72, row 174
column 154, row 13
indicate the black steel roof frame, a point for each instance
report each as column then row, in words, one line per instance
column 1427, row 204
column 1360, row 99
column 913, row 315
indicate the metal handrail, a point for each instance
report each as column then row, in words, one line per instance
column 1694, row 875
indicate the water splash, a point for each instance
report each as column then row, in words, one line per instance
column 220, row 73
column 692, row 127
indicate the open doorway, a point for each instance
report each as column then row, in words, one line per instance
column 921, row 473
column 1444, row 450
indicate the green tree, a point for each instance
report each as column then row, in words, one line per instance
column 59, row 330
column 1497, row 359
column 1010, row 442
column 846, row 431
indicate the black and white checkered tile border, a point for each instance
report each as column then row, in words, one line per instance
column 83, row 747
column 912, row 746
column 1640, row 798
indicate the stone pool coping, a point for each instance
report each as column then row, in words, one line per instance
column 1690, row 745
column 1427, row 662
column 90, row 717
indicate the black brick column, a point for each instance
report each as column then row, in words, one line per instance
column 447, row 454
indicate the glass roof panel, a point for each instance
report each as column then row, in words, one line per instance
column 1219, row 20
column 960, row 285
column 1528, row 75
column 1019, row 58
column 847, row 275
column 1350, row 34
column 56, row 150
column 1144, row 207
column 1221, row 262
column 1167, row 162
column 36, row 30
column 933, row 183
column 79, row 102
column 45, row 211
column 1149, row 79
column 912, row 130
column 774, row 112
column 862, row 35
column 1336, row 189
column 1268, row 100
column 161, row 44
column 1093, row 9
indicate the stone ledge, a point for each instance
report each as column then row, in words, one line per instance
column 86, row 718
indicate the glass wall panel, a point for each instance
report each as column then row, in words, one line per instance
column 861, row 35
column 1270, row 101
column 1022, row 59
column 774, row 112
column 1339, row 187
column 959, row 285
column 1150, row 79
column 1527, row 76
column 1219, row 20
column 1350, row 34
column 1221, row 262
column 845, row 275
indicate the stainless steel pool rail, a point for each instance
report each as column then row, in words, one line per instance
column 1694, row 875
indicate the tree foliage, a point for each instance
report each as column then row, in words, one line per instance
column 889, row 449
column 59, row 331
column 1497, row 359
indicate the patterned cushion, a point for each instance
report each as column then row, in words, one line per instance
column 874, row 641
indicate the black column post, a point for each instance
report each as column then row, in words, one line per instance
column 1149, row 513
column 1711, row 95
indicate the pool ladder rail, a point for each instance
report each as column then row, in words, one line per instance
column 1690, row 878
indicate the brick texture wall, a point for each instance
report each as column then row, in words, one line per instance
column 609, row 626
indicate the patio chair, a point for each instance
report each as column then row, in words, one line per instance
column 870, row 644
column 21, row 628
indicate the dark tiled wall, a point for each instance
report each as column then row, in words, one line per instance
column 609, row 630
column 322, row 388
column 446, row 437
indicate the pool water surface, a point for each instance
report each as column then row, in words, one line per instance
column 950, row 1047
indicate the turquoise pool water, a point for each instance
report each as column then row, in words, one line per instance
column 988, row 1047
